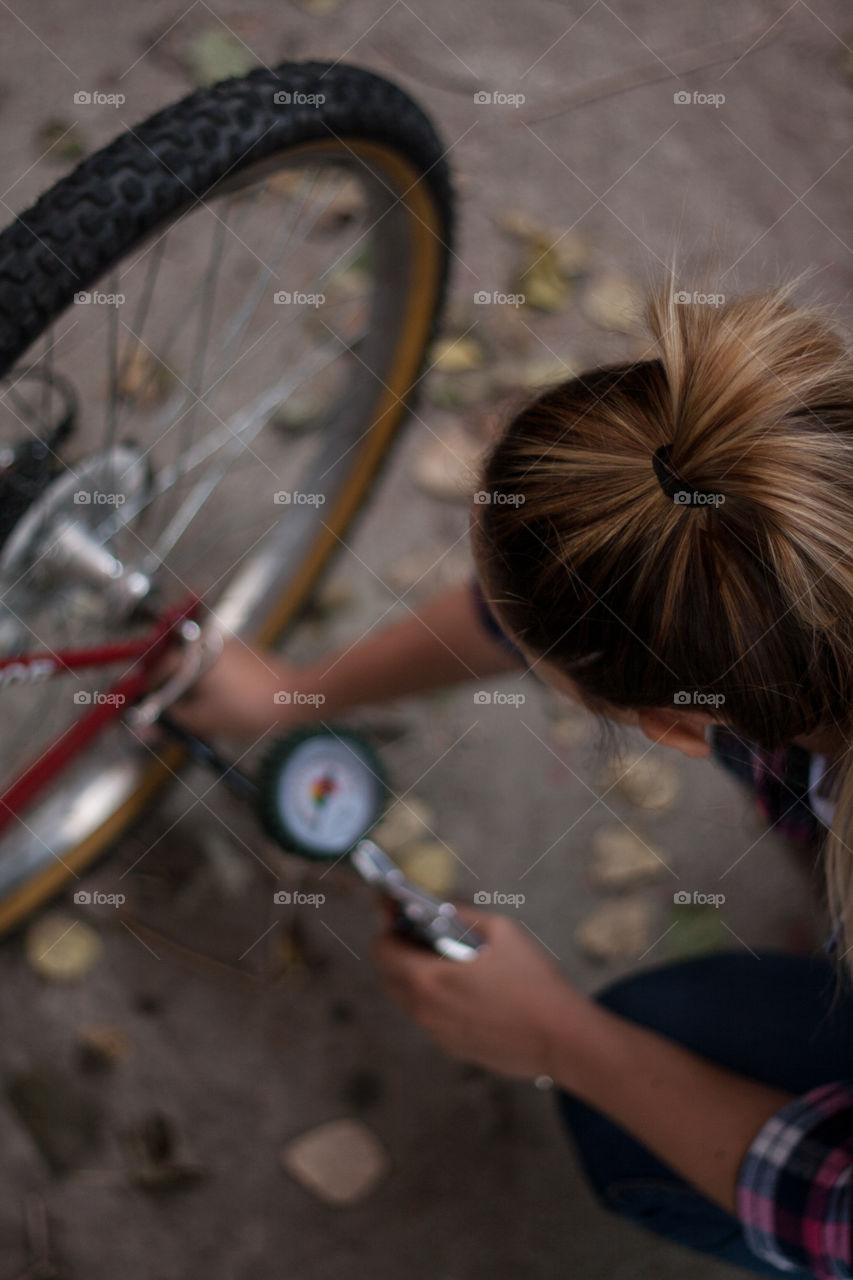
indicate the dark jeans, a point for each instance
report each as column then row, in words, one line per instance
column 772, row 1018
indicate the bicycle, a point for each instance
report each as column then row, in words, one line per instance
column 206, row 463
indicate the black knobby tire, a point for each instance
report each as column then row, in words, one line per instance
column 86, row 222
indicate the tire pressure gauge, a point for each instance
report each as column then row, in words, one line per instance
column 318, row 793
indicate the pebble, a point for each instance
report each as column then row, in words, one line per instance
column 340, row 1162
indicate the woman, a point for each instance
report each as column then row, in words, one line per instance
column 681, row 523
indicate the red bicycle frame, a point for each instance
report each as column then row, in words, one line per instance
column 30, row 668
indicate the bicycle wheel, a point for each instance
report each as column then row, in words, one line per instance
column 210, row 333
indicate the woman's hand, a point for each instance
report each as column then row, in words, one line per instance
column 507, row 1010
column 244, row 694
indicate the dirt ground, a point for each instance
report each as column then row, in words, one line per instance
column 246, row 1039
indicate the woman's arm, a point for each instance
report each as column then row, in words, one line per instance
column 697, row 1117
column 512, row 1011
column 445, row 643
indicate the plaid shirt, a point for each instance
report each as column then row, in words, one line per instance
column 795, row 1184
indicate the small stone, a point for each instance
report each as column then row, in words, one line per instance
column 645, row 780
column 616, row 930
column 61, row 948
column 621, row 858
column 102, row 1046
column 341, row 1161
column 430, row 864
column 612, row 302
column 406, row 821
column 449, row 467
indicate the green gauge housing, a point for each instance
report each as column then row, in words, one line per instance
column 320, row 791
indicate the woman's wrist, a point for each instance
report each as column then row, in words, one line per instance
column 575, row 1041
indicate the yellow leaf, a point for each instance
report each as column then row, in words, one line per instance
column 612, row 302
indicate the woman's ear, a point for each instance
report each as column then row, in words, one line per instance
column 683, row 730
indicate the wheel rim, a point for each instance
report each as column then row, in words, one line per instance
column 107, row 788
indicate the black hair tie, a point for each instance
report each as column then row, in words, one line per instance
column 668, row 478
column 677, row 489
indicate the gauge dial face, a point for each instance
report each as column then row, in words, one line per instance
column 327, row 795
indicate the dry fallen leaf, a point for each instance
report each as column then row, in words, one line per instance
column 215, row 54
column 456, row 355
column 645, row 780
column 550, row 261
column 60, row 948
column 318, row 6
column 449, row 466
column 61, row 140
column 143, row 379
column 538, row 374
column 569, row 731
column 618, row 930
column 103, row 1045
column 301, row 412
column 430, row 864
column 613, row 302
column 422, row 570
column 620, row 858
column 340, row 1162
column 406, row 821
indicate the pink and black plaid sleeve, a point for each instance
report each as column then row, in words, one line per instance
column 795, row 1183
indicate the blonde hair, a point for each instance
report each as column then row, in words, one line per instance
column 746, row 590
